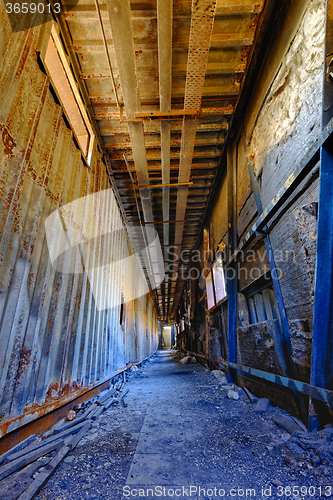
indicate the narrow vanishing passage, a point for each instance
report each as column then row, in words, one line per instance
column 179, row 431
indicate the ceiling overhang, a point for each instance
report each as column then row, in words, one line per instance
column 164, row 78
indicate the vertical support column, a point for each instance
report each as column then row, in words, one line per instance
column 207, row 315
column 232, row 268
column 322, row 340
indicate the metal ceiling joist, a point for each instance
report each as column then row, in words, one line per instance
column 121, row 26
column 202, row 22
column 159, row 62
column 165, row 19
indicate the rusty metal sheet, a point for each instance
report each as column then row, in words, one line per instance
column 55, row 343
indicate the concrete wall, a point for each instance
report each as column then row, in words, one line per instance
column 55, row 342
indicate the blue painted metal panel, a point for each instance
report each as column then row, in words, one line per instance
column 322, row 340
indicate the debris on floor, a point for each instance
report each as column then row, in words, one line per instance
column 302, row 451
column 177, row 427
column 188, row 359
column 27, row 467
column 233, row 395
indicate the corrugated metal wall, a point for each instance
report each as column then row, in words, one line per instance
column 54, row 342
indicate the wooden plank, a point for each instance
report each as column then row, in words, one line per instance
column 45, row 442
column 259, row 307
column 73, row 442
column 43, row 477
column 268, row 305
column 17, row 448
column 249, row 394
column 253, row 313
column 97, row 412
column 102, row 398
column 8, row 469
column 89, row 410
column 68, row 425
column 112, row 402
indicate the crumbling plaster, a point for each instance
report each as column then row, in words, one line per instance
column 290, row 116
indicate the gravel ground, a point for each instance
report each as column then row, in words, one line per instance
column 179, row 432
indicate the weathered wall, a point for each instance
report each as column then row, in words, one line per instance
column 279, row 129
column 54, row 342
column 279, row 124
column 278, row 135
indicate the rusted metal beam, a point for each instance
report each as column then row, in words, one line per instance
column 167, row 115
column 219, row 40
column 115, row 129
column 174, row 143
column 165, row 222
column 156, row 167
column 158, row 186
column 85, row 12
column 115, row 115
column 122, row 32
column 156, row 155
column 107, row 52
column 202, row 21
column 295, row 385
column 177, row 70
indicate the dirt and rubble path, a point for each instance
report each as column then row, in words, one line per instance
column 177, row 433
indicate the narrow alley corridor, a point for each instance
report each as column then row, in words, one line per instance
column 166, row 249
column 179, row 431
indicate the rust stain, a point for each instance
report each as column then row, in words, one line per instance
column 25, row 54
column 25, row 355
column 244, row 53
column 254, row 22
column 45, row 416
column 8, row 141
column 241, row 68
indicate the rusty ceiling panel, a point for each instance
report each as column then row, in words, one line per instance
column 156, row 63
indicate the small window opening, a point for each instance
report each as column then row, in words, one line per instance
column 210, row 291
column 65, row 86
column 215, row 283
column 261, row 300
column 219, row 279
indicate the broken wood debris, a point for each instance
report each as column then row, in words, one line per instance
column 43, row 477
column 14, row 485
column 18, row 447
column 44, row 442
column 26, row 459
column 103, row 396
column 61, row 438
column 249, row 394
